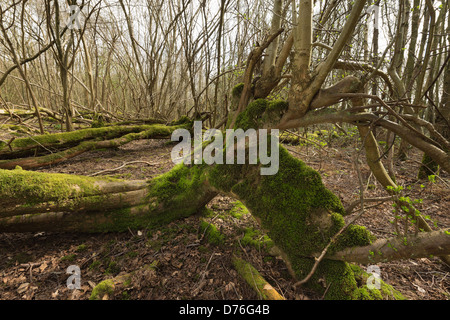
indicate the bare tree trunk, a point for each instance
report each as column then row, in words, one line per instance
column 423, row 245
column 22, row 72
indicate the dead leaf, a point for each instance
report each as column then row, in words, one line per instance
column 43, row 266
column 267, row 287
column 23, row 287
column 421, row 290
column 55, row 294
column 229, row 287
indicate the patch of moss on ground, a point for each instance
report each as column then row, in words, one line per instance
column 70, row 257
column 105, row 287
column 94, row 265
column 386, row 291
column 212, row 234
column 238, row 210
column 257, row 239
column 207, row 212
column 112, row 268
column 81, row 248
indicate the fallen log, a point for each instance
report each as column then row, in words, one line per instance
column 294, row 208
column 76, row 143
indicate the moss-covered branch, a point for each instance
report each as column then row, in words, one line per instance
column 256, row 280
column 81, row 142
column 27, row 146
column 34, row 201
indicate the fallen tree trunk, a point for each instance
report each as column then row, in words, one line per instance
column 76, row 143
column 299, row 214
column 35, row 201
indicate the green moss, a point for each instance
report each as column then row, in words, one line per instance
column 251, row 118
column 237, row 90
column 354, row 236
column 37, row 187
column 386, row 291
column 182, row 120
column 126, row 295
column 253, row 278
column 105, row 287
column 70, row 257
column 211, row 232
column 86, row 138
column 132, row 254
column 113, row 268
column 207, row 212
column 178, row 192
column 81, row 248
column 275, row 110
column 261, row 113
column 238, row 210
column 257, row 239
column 203, row 249
column 95, row 265
column 289, row 138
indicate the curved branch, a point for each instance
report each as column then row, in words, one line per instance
column 362, row 66
column 329, row 115
column 423, row 245
column 253, row 58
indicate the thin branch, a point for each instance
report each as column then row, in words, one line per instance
column 122, row 166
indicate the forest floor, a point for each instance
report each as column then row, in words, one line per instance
column 184, row 264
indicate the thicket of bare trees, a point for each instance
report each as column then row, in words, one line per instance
column 382, row 67
column 129, row 59
column 163, row 59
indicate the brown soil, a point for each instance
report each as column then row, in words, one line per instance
column 185, row 264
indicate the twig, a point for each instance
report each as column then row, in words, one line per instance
column 306, row 139
column 353, row 205
column 296, row 152
column 202, row 277
column 40, row 144
column 122, row 166
column 390, row 111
